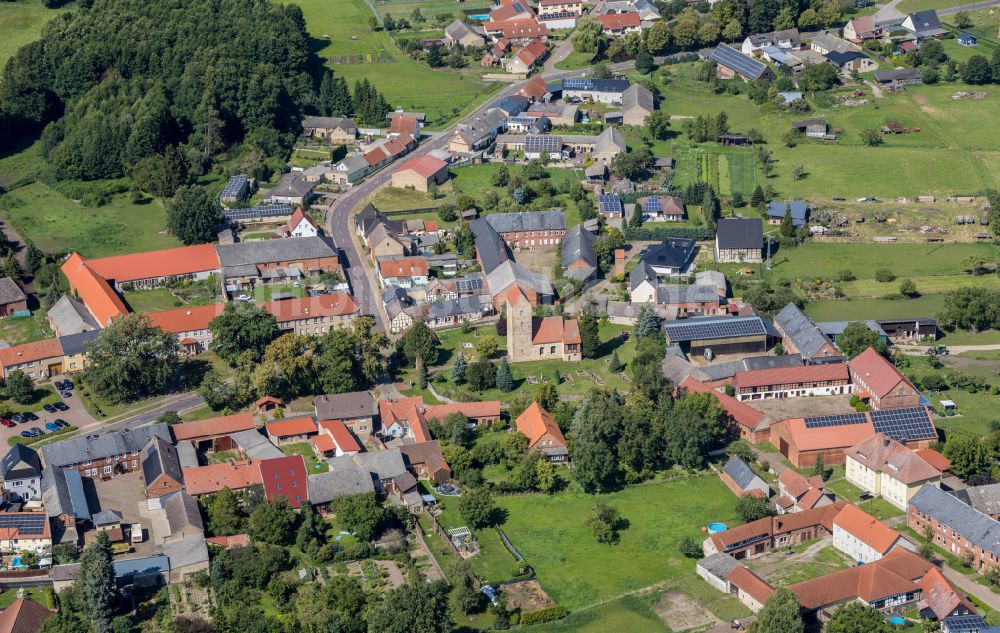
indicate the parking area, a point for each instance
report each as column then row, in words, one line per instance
column 76, row 415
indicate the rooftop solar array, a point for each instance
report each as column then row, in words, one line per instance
column 904, row 424
column 546, row 143
column 576, row 83
column 652, row 204
column 26, row 524
column 965, row 623
column 715, row 328
column 737, row 61
column 468, row 285
column 843, row 419
column 609, row 203
column 266, row 211
column 235, row 187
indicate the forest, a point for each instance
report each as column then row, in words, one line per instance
column 121, row 81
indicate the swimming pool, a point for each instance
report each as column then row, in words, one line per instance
column 16, row 562
column 482, row 17
column 714, row 528
column 897, row 621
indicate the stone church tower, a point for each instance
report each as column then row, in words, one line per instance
column 519, row 329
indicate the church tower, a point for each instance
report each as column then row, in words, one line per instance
column 519, row 327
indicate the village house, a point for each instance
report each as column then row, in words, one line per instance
column 862, row 537
column 543, row 433
column 579, row 260
column 24, row 615
column 314, row 315
column 291, row 430
column 559, row 7
column 524, row 60
column 862, row 28
column 803, row 440
column 68, row 316
column 301, row 225
column 924, row 25
column 74, row 348
column 93, row 290
column 291, row 189
column 532, row 338
column 459, row 33
column 355, row 409
column 776, row 211
column 420, row 173
column 334, row 439
column 39, row 360
column 22, row 474
column 334, row 130
column 161, row 468
column 883, row 466
column 12, row 298
column 955, row 527
column 285, row 477
column 521, row 30
column 213, row 434
column 880, row 384
column 852, row 61
column 234, row 475
column 189, row 324
column 741, row 419
column 827, row 379
column 637, row 104
column 529, row 229
column 454, row 312
column 607, row 91
column 799, row 335
column 478, row 133
column 403, row 272
column 619, row 24
column 399, row 309
column 25, row 532
column 425, row 461
column 739, row 240
column 403, row 418
column 485, row 413
column 825, row 43
column 247, row 264
column 761, row 536
column 730, row 63
column 797, row 493
column 103, row 455
column 742, row 480
column 788, row 39
column 661, row 208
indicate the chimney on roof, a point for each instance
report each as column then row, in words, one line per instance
column 886, row 441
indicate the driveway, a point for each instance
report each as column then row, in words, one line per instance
column 970, row 586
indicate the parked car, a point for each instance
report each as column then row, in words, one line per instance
column 58, row 385
column 7, row 423
column 61, row 406
column 49, row 408
column 52, row 426
column 17, row 417
column 37, row 431
column 27, row 434
column 59, row 422
column 243, row 298
column 65, row 394
column 29, row 416
column 68, row 384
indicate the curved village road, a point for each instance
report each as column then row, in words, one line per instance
column 339, row 218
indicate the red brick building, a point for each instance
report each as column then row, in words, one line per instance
column 530, row 229
column 761, row 536
column 877, row 381
column 955, row 527
column 742, row 419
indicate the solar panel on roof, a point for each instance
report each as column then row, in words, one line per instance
column 903, row 424
column 266, row 211
column 26, row 524
column 843, row 419
column 609, row 203
column 542, row 144
column 715, row 329
column 965, row 623
column 468, row 285
column 652, row 204
column 734, row 60
column 234, row 187
column 580, row 84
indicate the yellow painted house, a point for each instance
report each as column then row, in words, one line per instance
column 883, row 466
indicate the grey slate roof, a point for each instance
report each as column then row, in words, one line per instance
column 611, row 139
column 740, row 472
column 330, row 123
column 73, row 344
column 713, row 278
column 672, row 294
column 160, row 458
column 490, row 247
column 986, row 499
column 719, row 565
column 527, row 221
column 20, row 462
column 800, row 211
column 70, row 316
column 291, row 186
column 267, row 251
column 971, row 524
column 673, row 252
column 639, row 274
column 10, row 292
column 578, row 245
column 740, row 233
column 62, row 493
column 771, row 362
column 831, row 42
column 454, row 307
column 509, row 272
column 182, row 511
column 806, row 337
column 638, row 96
column 185, row 552
column 898, row 74
column 344, row 478
column 187, row 455
column 367, row 218
column 458, row 30
column 107, row 516
column 835, row 328
column 385, row 464
column 255, row 445
column 344, row 406
column 93, row 447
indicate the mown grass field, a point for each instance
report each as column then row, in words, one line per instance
column 632, row 614
column 442, row 94
column 577, row 571
column 21, row 22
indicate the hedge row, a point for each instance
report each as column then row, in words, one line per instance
column 548, row 614
column 663, row 232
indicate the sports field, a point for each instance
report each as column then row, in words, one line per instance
column 340, row 35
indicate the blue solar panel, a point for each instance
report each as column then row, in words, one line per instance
column 253, row 213
column 964, row 624
column 576, row 83
column 609, row 203
column 652, row 204
column 535, row 144
column 904, row 424
column 235, row 188
column 26, row 524
column 737, row 61
column 843, row 419
column 468, row 285
column 715, row 328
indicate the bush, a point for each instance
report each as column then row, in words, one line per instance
column 659, row 233
column 846, row 275
column 548, row 614
column 884, row 275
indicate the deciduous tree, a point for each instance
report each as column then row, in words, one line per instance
column 131, row 359
column 97, row 584
column 191, row 216
column 779, row 615
column 242, row 327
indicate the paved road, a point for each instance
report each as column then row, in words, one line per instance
column 969, row 7
column 970, row 586
column 339, row 219
column 174, row 402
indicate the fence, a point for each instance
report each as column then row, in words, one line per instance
column 440, row 531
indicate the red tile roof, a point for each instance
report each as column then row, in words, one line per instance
column 518, row 29
column 879, row 374
column 550, row 3
column 169, row 262
column 186, row 319
column 866, row 528
column 285, row 477
column 829, row 437
column 403, row 123
column 290, row 427
column 425, row 166
column 95, row 292
column 934, row 458
column 885, row 455
column 408, row 411
column 530, row 53
column 229, row 542
column 297, row 217
column 791, row 375
column 619, row 21
column 403, row 267
column 555, row 329
column 210, row 427
column 940, row 596
column 336, row 304
column 24, row 615
column 895, row 573
column 214, row 477
column 507, row 10
column 29, row 352
column 340, row 434
column 535, row 422
column 783, row 524
column 535, row 88
column 751, row 583
column 744, row 414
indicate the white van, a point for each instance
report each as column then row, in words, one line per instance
column 136, row 530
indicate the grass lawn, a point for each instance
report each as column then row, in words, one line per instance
column 909, row 6
column 266, row 292
column 21, row 23
column 474, row 180
column 576, row 60
column 976, row 411
column 493, row 563
column 826, row 561
column 881, row 509
column 55, row 223
column 153, row 300
column 46, row 394
column 634, row 614
column 25, row 329
column 454, row 341
column 442, row 94
column 313, row 464
column 39, row 594
column 577, row 571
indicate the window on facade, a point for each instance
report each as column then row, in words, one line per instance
column 107, row 470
